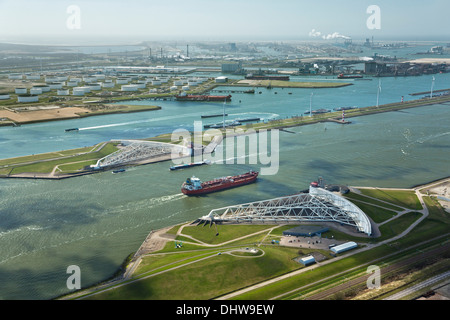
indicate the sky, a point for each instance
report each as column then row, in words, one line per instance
column 231, row 20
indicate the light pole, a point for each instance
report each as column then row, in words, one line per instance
column 432, row 87
column 378, row 92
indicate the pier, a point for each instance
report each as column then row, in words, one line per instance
column 233, row 91
column 341, row 121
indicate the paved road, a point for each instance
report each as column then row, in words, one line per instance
column 424, row 212
column 419, row 286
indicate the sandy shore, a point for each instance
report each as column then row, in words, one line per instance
column 44, row 114
column 440, row 189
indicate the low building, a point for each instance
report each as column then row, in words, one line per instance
column 20, row 90
column 62, row 92
column 305, row 231
column 231, row 67
column 344, row 247
column 307, row 260
column 221, row 79
column 27, row 98
column 129, row 87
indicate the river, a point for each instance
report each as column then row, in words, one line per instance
column 95, row 221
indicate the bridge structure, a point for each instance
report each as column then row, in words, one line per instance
column 319, row 205
column 133, row 151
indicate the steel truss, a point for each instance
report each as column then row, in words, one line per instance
column 135, row 150
column 318, row 205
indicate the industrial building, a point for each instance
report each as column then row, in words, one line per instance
column 221, row 79
column 344, row 247
column 231, row 67
column 27, row 98
column 305, row 231
column 307, row 260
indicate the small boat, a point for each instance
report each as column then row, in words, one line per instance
column 248, row 119
column 228, row 123
column 72, row 129
column 189, row 165
column 118, row 170
column 213, row 115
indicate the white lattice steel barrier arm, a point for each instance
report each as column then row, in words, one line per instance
column 356, row 214
column 318, row 205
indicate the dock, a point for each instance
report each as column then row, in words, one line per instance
column 339, row 121
column 428, row 92
column 233, row 91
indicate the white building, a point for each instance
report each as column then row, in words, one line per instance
column 221, row 79
column 344, row 247
column 15, row 76
column 21, row 90
column 33, row 77
column 44, row 88
column 62, row 92
column 35, row 91
column 129, row 87
column 95, row 86
column 307, row 260
column 27, row 98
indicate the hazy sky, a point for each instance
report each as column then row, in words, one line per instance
column 133, row 20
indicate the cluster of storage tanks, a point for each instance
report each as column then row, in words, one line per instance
column 82, row 85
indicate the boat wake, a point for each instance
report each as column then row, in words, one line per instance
column 131, row 122
column 431, row 137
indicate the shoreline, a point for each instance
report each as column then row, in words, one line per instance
column 273, row 124
column 16, row 123
column 157, row 239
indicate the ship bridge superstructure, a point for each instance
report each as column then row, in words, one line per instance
column 134, row 151
column 319, row 205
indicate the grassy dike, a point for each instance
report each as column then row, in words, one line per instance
column 7, row 166
column 208, row 266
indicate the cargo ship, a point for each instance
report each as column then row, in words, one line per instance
column 343, row 76
column 248, row 119
column 214, row 115
column 190, row 97
column 228, row 123
column 194, row 186
column 189, row 165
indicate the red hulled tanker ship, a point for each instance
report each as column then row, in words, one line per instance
column 193, row 186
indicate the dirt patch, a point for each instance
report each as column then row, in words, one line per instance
column 43, row 114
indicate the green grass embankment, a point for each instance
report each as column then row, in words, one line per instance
column 221, row 274
column 70, row 163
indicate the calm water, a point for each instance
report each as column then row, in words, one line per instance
column 96, row 221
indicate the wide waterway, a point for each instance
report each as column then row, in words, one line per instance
column 95, row 221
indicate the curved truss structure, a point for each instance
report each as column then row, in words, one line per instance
column 137, row 150
column 318, row 205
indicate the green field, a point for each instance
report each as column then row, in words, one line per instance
column 70, row 161
column 403, row 198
